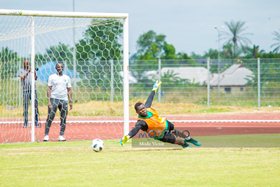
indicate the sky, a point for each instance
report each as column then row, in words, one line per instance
column 189, row 25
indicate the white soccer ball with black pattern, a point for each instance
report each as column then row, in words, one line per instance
column 97, row 145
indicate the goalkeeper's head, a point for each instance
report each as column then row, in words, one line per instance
column 140, row 109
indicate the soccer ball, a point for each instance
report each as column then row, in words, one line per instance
column 97, row 145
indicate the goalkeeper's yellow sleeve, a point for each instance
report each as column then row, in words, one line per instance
column 124, row 139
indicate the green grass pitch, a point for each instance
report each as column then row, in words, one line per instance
column 76, row 164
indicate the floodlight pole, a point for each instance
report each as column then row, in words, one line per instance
column 219, row 37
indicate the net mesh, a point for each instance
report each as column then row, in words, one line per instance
column 91, row 50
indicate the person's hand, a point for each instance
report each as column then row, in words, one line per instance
column 124, row 139
column 71, row 105
column 156, row 86
column 50, row 105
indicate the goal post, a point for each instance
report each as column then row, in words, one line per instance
column 94, row 48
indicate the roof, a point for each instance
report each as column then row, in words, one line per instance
column 235, row 75
column 193, row 74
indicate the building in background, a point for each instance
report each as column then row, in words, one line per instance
column 232, row 80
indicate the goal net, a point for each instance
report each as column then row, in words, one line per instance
column 93, row 48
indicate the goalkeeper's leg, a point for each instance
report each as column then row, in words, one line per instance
column 185, row 135
column 171, row 138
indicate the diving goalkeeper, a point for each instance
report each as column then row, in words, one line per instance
column 156, row 126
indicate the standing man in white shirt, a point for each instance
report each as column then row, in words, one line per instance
column 59, row 96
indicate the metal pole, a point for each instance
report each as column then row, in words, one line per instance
column 32, row 37
column 259, row 83
column 74, row 50
column 159, row 77
column 125, row 76
column 219, row 37
column 208, row 82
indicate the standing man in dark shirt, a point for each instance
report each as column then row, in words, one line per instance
column 156, row 126
column 26, row 79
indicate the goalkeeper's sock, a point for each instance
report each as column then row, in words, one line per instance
column 194, row 142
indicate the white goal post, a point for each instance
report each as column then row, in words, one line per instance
column 93, row 46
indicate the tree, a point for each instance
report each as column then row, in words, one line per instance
column 56, row 53
column 252, row 52
column 236, row 36
column 211, row 53
column 59, row 53
column 169, row 51
column 8, row 63
column 100, row 44
column 151, row 46
column 276, row 45
column 101, row 41
column 227, row 51
column 183, row 56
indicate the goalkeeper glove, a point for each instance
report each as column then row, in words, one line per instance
column 124, row 139
column 156, row 86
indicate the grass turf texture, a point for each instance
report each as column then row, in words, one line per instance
column 76, row 164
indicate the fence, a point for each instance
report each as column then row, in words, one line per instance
column 242, row 82
column 204, row 82
column 209, row 82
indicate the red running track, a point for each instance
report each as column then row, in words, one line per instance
column 87, row 131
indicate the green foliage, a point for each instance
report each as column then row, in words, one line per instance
column 236, row 36
column 152, row 46
column 270, row 55
column 212, row 53
column 169, row 51
column 101, row 41
column 99, row 46
column 276, row 45
column 270, row 77
column 56, row 53
column 170, row 79
column 60, row 53
column 252, row 52
column 8, row 63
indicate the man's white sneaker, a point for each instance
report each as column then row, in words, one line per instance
column 61, row 138
column 46, row 138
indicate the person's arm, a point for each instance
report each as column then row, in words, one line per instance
column 69, row 93
column 35, row 75
column 49, row 96
column 140, row 124
column 24, row 74
column 50, row 84
column 150, row 99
